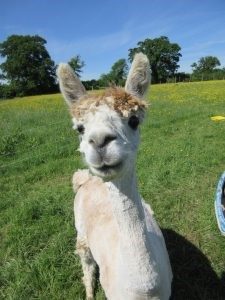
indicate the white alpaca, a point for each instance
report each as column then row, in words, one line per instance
column 115, row 229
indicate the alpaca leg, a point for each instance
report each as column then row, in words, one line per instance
column 88, row 266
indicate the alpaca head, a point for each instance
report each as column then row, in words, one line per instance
column 108, row 124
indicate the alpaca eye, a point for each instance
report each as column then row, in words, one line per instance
column 80, row 128
column 133, row 122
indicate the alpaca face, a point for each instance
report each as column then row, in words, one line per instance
column 108, row 141
column 108, row 124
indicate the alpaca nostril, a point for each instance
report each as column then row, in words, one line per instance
column 107, row 140
column 91, row 141
column 101, row 142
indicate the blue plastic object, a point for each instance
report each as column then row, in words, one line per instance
column 220, row 204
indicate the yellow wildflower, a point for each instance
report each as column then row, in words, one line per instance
column 218, row 118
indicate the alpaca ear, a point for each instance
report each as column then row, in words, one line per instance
column 70, row 85
column 139, row 76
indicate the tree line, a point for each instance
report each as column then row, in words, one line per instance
column 29, row 70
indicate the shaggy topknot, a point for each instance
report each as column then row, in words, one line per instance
column 116, row 98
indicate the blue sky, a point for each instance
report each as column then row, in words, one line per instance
column 101, row 32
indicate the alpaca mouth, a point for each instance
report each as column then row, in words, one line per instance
column 106, row 167
column 108, row 170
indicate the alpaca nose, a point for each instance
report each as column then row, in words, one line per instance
column 101, row 141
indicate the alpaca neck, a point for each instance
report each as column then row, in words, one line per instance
column 135, row 249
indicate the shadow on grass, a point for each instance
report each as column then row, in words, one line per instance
column 194, row 278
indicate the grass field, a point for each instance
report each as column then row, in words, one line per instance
column 181, row 157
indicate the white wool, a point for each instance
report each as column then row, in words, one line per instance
column 115, row 228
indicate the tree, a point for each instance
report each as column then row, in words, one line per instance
column 206, row 69
column 117, row 74
column 76, row 64
column 105, row 80
column 28, row 68
column 119, row 71
column 206, row 64
column 163, row 57
column 92, row 84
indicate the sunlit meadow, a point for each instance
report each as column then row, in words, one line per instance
column 181, row 158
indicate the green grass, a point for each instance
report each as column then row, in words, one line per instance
column 181, row 157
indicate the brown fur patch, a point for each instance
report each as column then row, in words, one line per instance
column 116, row 98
